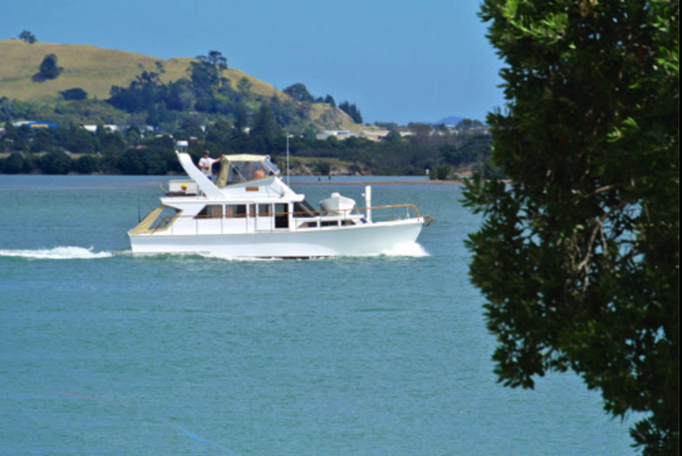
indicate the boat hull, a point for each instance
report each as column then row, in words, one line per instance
column 358, row 240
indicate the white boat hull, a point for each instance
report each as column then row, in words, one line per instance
column 356, row 240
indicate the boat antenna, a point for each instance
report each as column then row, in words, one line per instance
column 287, row 158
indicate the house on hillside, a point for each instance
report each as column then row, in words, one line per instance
column 93, row 128
column 372, row 135
column 35, row 124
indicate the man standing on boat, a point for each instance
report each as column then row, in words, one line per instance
column 206, row 165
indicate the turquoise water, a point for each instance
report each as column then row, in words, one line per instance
column 104, row 353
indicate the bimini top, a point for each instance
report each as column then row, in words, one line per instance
column 244, row 167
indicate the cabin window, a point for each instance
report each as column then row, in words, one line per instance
column 235, row 210
column 281, row 216
column 264, row 210
column 211, row 211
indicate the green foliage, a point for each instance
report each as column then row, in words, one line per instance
column 244, row 85
column 470, row 149
column 27, row 37
column 42, row 141
column 48, row 69
column 488, row 170
column 205, row 77
column 141, row 162
column 205, row 92
column 13, row 164
column 220, row 134
column 266, row 133
column 579, row 257
column 109, row 142
column 87, row 164
column 14, row 139
column 397, row 156
column 352, row 110
column 80, row 141
column 141, row 95
column 55, row 163
column 215, row 59
column 299, row 92
column 74, row 94
column 442, row 172
column 330, row 100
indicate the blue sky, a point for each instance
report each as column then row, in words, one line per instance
column 397, row 61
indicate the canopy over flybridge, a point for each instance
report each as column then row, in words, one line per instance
column 234, row 169
column 244, row 167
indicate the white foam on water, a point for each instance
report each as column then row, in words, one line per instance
column 57, row 253
column 225, row 257
column 403, row 250
column 412, row 249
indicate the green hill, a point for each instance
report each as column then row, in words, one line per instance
column 96, row 70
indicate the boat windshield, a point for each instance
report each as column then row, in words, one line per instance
column 304, row 209
column 241, row 168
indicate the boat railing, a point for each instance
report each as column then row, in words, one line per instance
column 379, row 213
column 295, row 220
column 391, row 212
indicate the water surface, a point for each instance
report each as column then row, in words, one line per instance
column 106, row 353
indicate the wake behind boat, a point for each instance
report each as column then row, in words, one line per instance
column 250, row 212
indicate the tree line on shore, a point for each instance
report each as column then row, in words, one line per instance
column 436, row 149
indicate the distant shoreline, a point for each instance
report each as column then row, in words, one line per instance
column 390, row 182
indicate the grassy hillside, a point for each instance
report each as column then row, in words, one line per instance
column 91, row 68
column 95, row 70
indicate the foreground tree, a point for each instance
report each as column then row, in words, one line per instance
column 579, row 257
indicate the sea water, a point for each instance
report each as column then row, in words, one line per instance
column 107, row 353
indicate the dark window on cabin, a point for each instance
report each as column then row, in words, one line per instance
column 281, row 216
column 264, row 210
column 211, row 211
column 235, row 210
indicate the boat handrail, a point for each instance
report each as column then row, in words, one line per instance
column 391, row 206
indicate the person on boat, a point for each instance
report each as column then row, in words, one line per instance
column 206, row 165
column 257, row 174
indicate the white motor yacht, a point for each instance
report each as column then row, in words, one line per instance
column 249, row 211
